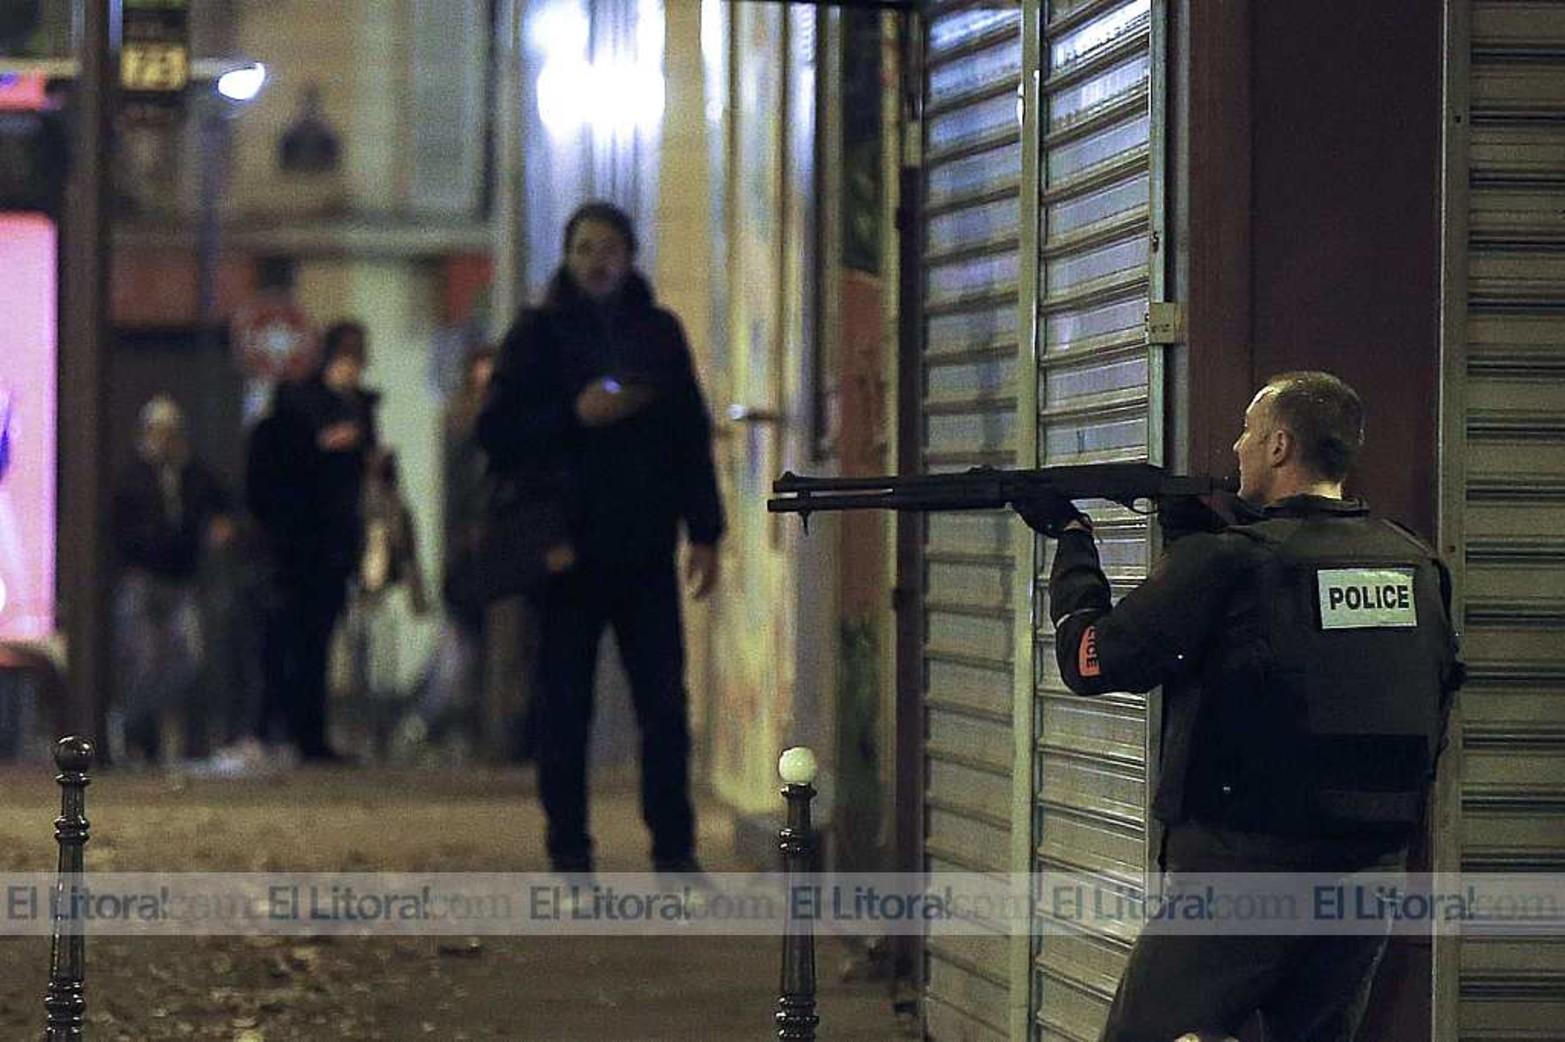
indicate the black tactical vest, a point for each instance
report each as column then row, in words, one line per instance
column 1325, row 698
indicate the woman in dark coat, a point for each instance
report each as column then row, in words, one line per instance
column 596, row 402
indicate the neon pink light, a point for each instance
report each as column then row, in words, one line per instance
column 27, row 426
column 24, row 92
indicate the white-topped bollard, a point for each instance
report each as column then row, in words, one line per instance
column 796, row 1018
column 797, row 766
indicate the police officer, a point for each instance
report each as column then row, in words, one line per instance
column 1308, row 662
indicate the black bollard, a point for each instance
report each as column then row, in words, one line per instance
column 67, row 999
column 796, row 1017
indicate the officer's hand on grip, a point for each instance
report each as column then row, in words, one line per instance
column 1049, row 513
column 1180, row 516
column 1186, row 515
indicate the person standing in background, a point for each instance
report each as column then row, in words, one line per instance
column 449, row 693
column 169, row 508
column 305, row 477
column 596, row 395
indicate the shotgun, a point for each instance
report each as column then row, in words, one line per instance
column 1032, row 493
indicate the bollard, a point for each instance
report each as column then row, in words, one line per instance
column 67, row 999
column 796, row 1017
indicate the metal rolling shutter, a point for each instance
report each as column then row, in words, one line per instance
column 1511, row 504
column 972, row 163
column 1099, row 400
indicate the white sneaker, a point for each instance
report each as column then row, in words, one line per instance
column 248, row 758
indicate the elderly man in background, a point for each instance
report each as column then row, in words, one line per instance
column 169, row 508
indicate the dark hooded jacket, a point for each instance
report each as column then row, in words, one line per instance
column 307, row 499
column 626, row 487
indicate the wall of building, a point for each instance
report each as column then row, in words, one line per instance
column 771, row 667
column 356, row 52
column 1346, row 222
column 1309, row 231
column 682, row 271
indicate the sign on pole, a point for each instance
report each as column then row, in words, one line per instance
column 155, row 58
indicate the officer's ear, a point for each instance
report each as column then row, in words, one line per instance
column 1281, row 446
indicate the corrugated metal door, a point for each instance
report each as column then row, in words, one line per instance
column 1505, row 515
column 968, row 409
column 1099, row 400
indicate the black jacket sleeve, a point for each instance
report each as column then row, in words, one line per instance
column 277, row 479
column 701, row 506
column 528, row 413
column 1156, row 632
column 139, row 529
column 209, row 495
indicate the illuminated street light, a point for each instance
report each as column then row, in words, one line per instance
column 604, row 96
column 578, row 91
column 242, row 84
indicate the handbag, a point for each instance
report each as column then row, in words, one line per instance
column 506, row 557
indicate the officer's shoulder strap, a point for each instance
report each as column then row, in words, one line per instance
column 1412, row 536
column 1441, row 568
column 1270, row 532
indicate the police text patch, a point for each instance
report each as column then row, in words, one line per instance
column 1359, row 598
column 1087, row 663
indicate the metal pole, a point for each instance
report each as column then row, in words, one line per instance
column 212, row 129
column 796, row 1019
column 84, row 370
column 67, row 1000
column 908, row 595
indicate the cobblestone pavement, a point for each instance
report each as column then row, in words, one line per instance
column 267, row 989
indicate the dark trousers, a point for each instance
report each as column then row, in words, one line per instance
column 1306, row 988
column 642, row 604
column 300, row 619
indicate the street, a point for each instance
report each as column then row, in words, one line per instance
column 267, row 989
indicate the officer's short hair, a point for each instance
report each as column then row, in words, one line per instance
column 1324, row 414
